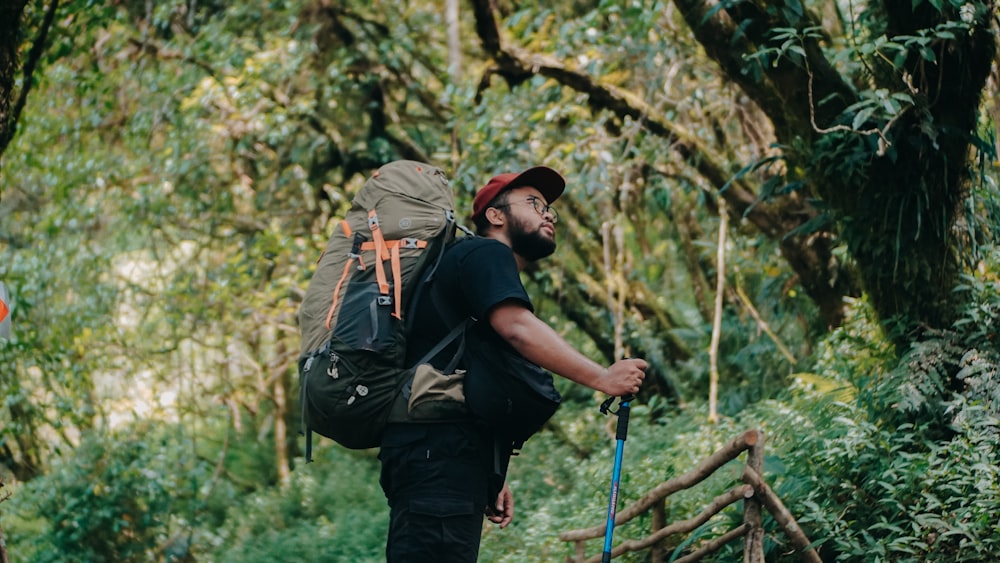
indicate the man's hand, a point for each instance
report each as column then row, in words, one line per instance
column 624, row 377
column 503, row 512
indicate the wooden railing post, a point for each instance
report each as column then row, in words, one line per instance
column 753, row 543
column 658, row 554
column 781, row 515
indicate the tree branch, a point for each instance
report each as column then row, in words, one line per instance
column 810, row 257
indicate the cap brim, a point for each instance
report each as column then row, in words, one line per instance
column 546, row 180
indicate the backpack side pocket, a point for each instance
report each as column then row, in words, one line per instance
column 435, row 395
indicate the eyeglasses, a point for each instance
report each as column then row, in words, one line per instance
column 539, row 207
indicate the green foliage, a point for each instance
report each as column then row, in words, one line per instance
column 331, row 510
column 960, row 365
column 115, row 498
column 905, row 498
column 874, row 479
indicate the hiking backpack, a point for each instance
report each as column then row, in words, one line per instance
column 352, row 318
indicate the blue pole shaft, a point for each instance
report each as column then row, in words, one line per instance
column 621, row 432
column 609, row 529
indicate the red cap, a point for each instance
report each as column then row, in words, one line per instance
column 545, row 179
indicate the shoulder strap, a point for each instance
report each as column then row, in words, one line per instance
column 456, row 331
column 428, row 275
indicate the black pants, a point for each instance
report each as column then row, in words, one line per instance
column 437, row 479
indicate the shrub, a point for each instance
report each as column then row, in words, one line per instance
column 110, row 500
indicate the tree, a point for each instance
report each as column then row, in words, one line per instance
column 877, row 120
column 887, row 144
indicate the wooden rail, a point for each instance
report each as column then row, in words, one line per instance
column 754, row 493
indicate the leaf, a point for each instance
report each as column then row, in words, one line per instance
column 715, row 9
column 862, row 117
column 755, row 165
column 813, row 225
column 791, row 187
column 740, row 31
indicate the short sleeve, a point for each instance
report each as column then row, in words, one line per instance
column 489, row 276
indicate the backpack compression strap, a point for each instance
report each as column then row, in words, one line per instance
column 381, row 252
column 389, row 250
column 384, row 250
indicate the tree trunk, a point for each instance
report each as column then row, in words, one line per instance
column 10, row 43
column 11, row 105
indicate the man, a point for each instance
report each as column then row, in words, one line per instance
column 439, row 477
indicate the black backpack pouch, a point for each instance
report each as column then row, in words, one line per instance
column 512, row 395
column 336, row 390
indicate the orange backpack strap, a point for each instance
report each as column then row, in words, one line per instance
column 390, row 244
column 397, row 279
column 354, row 254
column 381, row 252
column 336, row 292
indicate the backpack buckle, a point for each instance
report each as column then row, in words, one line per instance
column 409, row 243
column 384, row 300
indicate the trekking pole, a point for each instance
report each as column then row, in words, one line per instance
column 620, row 434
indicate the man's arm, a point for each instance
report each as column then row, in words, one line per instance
column 542, row 345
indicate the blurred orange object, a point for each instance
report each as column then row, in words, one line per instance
column 4, row 312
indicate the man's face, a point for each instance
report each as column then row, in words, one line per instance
column 532, row 234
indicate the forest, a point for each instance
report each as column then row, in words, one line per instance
column 789, row 208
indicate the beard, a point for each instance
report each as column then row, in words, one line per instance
column 530, row 245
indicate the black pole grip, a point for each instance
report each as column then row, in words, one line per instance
column 622, row 429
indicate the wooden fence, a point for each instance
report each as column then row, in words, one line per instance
column 754, row 493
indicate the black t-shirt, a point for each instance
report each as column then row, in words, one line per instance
column 475, row 275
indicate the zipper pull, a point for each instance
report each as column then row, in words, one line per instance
column 332, row 370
